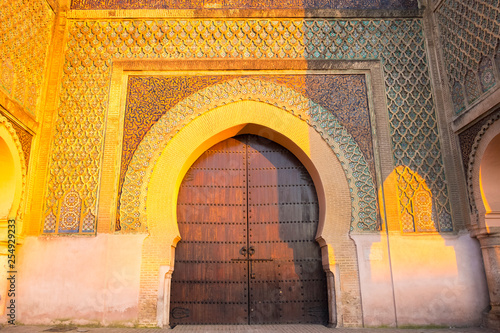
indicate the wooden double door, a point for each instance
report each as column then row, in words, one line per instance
column 248, row 213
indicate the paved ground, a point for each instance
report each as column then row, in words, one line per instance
column 240, row 329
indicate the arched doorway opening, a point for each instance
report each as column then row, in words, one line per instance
column 489, row 180
column 291, row 132
column 7, row 180
column 484, row 177
column 248, row 215
column 12, row 174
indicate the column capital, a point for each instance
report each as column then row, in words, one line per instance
column 489, row 233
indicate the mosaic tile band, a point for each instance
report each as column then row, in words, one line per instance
column 244, row 4
column 397, row 43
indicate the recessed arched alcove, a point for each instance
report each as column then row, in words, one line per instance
column 489, row 177
column 7, row 180
column 247, row 213
column 484, row 177
column 12, row 173
column 273, row 123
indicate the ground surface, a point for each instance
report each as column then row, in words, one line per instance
column 241, row 329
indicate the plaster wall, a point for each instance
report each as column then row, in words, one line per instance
column 438, row 280
column 80, row 280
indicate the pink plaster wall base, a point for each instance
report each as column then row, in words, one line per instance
column 82, row 280
column 438, row 280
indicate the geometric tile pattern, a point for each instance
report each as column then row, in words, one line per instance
column 472, row 87
column 25, row 34
column 486, row 74
column 497, row 55
column 415, row 202
column 25, row 137
column 50, row 223
column 362, row 188
column 457, row 97
column 243, row 4
column 93, row 44
column 149, row 97
column 70, row 213
column 469, row 30
column 88, row 223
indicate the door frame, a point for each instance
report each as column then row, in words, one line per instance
column 250, row 117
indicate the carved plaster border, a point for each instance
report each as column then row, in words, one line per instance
column 134, row 196
column 122, row 69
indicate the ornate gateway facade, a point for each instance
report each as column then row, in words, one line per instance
column 247, row 162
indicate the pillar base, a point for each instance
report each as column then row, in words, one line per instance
column 492, row 318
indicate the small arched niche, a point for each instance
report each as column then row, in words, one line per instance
column 489, row 180
column 7, row 180
column 11, row 173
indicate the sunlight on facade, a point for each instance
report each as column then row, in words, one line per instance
column 415, row 202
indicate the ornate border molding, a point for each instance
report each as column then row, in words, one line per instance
column 363, row 192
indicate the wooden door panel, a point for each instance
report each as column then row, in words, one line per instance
column 263, row 312
column 203, row 195
column 303, row 311
column 209, row 292
column 262, row 194
column 207, row 286
column 210, row 252
column 299, row 213
column 210, row 231
column 228, row 313
column 217, row 177
column 248, row 192
column 283, row 218
column 212, row 214
column 288, row 271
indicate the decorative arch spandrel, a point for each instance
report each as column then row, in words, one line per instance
column 134, row 195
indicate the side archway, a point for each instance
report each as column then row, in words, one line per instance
column 12, row 180
column 271, row 122
column 489, row 180
column 12, row 172
column 483, row 178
